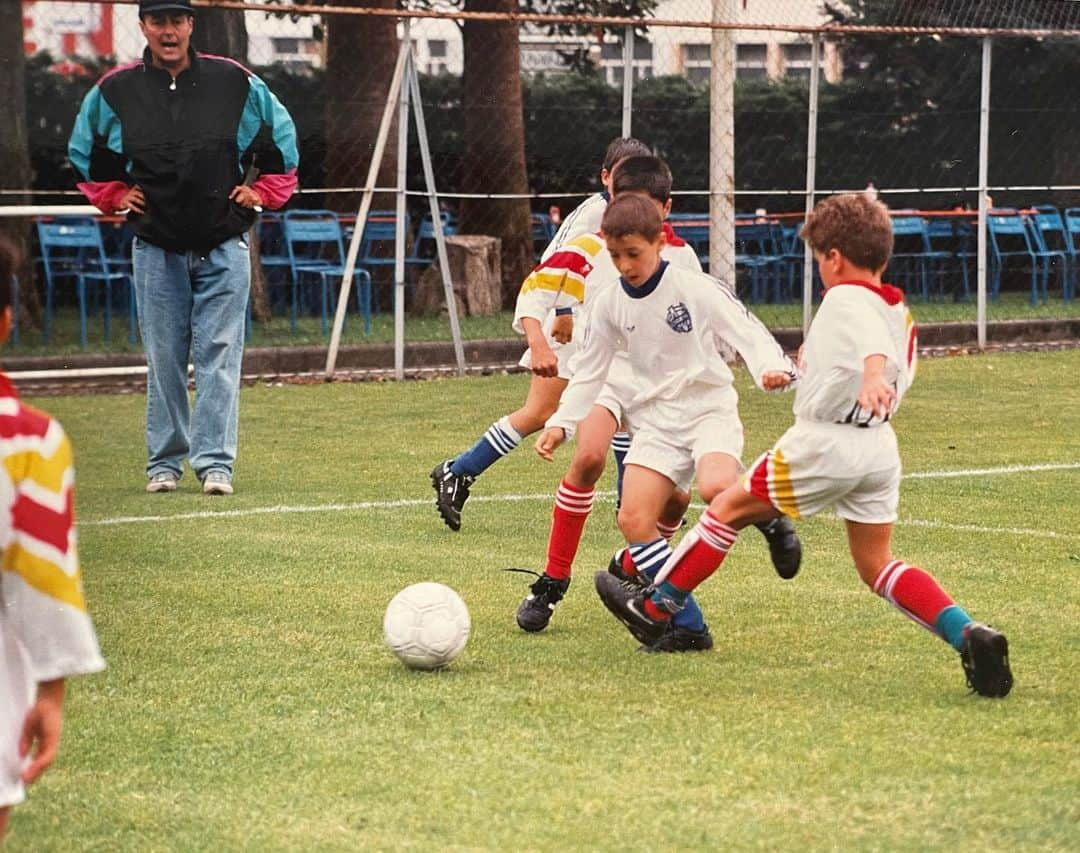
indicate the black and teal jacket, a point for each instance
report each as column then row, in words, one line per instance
column 186, row 143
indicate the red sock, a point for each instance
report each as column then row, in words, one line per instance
column 655, row 613
column 912, row 591
column 668, row 529
column 572, row 508
column 714, row 540
column 627, row 562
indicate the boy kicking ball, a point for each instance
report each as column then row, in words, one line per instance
column 684, row 413
column 856, row 364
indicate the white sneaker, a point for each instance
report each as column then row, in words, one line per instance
column 162, row 481
column 217, row 483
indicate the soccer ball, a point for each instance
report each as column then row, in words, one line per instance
column 426, row 625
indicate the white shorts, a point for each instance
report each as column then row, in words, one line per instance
column 619, row 390
column 670, row 439
column 815, row 466
column 16, row 696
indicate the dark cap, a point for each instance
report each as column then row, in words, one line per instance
column 147, row 7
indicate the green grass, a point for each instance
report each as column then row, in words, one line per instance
column 277, row 332
column 249, row 702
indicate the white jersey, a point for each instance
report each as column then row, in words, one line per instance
column 855, row 320
column 671, row 328
column 583, row 219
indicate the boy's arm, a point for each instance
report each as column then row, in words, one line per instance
column 557, row 283
column 41, row 729
column 769, row 366
column 877, row 395
column 590, row 371
column 544, row 361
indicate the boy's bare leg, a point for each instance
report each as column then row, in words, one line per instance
column 573, row 504
column 984, row 652
column 5, row 811
column 540, row 404
column 452, row 479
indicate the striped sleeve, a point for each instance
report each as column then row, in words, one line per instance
column 559, row 281
column 97, row 153
column 267, row 132
column 40, row 581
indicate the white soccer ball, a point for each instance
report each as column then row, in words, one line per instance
column 426, row 625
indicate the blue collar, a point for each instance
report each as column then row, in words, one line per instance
column 648, row 287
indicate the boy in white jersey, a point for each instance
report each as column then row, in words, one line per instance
column 544, row 314
column 684, row 415
column 576, row 493
column 45, row 632
column 857, row 362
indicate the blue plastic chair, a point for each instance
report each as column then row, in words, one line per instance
column 914, row 262
column 424, row 249
column 955, row 237
column 72, row 248
column 694, row 229
column 757, row 249
column 543, row 232
column 1010, row 238
column 315, row 245
column 1051, row 238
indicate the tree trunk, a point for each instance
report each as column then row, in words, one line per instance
column 494, row 160
column 15, row 149
column 360, row 56
column 222, row 32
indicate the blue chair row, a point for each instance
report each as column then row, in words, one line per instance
column 73, row 248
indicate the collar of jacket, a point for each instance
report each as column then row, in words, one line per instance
column 150, row 68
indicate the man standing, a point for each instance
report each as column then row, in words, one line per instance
column 168, row 139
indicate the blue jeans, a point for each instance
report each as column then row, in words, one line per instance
column 191, row 303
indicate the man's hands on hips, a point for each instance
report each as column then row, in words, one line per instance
column 245, row 196
column 132, row 200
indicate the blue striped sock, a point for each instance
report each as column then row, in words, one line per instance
column 620, row 446
column 492, row 446
column 649, row 557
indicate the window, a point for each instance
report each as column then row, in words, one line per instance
column 286, row 45
column 798, row 57
column 611, row 61
column 751, row 61
column 695, row 61
column 437, row 48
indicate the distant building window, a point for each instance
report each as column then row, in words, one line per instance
column 695, row 62
column 437, row 48
column 286, row 45
column 751, row 61
column 611, row 61
column 798, row 58
column 751, row 53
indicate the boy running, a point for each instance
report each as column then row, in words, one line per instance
column 857, row 362
column 544, row 315
column 576, row 493
column 684, row 413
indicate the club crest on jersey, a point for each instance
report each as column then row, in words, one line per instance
column 678, row 317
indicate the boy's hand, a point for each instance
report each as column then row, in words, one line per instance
column 562, row 328
column 877, row 396
column 549, row 439
column 42, row 727
column 544, row 361
column 773, row 380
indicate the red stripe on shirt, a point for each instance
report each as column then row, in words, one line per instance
column 571, row 261
column 42, row 523
column 891, row 295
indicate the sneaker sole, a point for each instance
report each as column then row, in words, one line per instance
column 993, row 655
column 155, row 488
column 448, row 519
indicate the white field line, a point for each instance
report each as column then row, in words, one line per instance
column 411, row 502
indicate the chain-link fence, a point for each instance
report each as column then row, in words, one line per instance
column 899, row 89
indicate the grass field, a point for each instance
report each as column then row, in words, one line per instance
column 277, row 332
column 250, row 704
